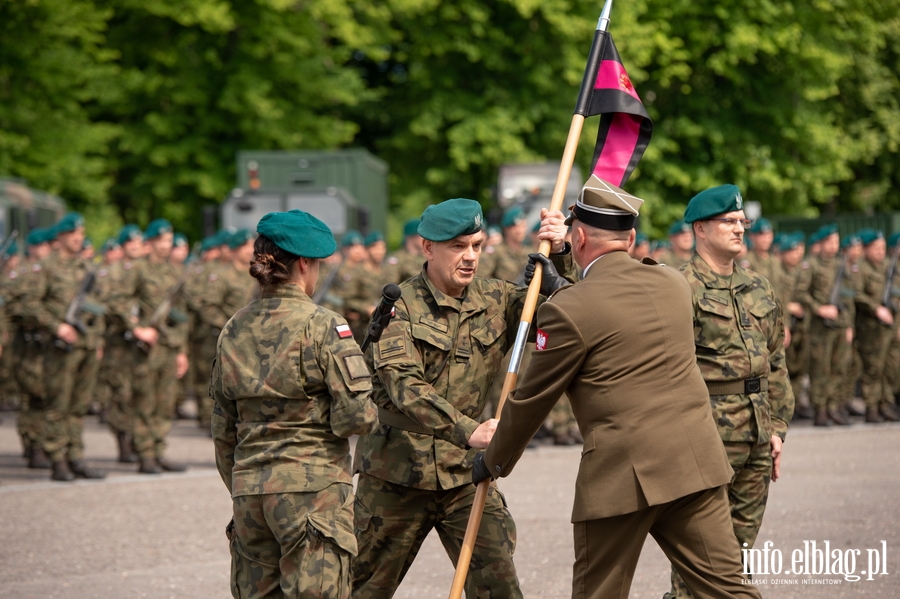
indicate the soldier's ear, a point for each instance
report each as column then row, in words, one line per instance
column 427, row 248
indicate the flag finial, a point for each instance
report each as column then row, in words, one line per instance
column 603, row 23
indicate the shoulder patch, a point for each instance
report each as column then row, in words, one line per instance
column 393, row 260
column 213, row 277
column 36, row 268
column 854, row 268
column 127, row 266
column 541, row 340
column 343, row 331
column 804, row 265
column 356, row 366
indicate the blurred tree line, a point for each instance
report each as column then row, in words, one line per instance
column 134, row 109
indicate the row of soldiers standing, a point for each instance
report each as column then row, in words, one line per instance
column 841, row 296
column 120, row 329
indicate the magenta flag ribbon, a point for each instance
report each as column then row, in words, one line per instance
column 625, row 126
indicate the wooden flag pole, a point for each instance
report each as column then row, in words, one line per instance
column 534, row 288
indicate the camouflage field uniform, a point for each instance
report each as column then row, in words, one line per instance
column 765, row 265
column 829, row 350
column 670, row 258
column 873, row 337
column 296, row 389
column 59, row 378
column 402, row 265
column 786, row 281
column 739, row 335
column 120, row 355
column 434, row 366
column 353, row 285
column 28, row 423
column 153, row 374
column 507, row 264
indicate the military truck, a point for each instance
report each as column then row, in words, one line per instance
column 23, row 208
column 530, row 186
column 346, row 189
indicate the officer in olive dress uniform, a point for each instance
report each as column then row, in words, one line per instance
column 652, row 462
column 433, row 367
column 739, row 337
column 290, row 387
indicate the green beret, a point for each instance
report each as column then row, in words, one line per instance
column 869, row 236
column 450, row 219
column 129, row 233
column 679, row 226
column 110, row 244
column 373, row 238
column 209, row 243
column 848, row 240
column 762, row 225
column 37, row 236
column 242, row 236
column 662, row 244
column 298, row 233
column 894, row 239
column 512, row 216
column 826, row 230
column 493, row 230
column 712, row 202
column 179, row 239
column 352, row 237
column 640, row 238
column 791, row 241
column 411, row 227
column 69, row 222
column 157, row 227
column 86, row 244
column 51, row 234
column 12, row 249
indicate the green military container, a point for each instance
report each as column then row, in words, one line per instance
column 348, row 189
column 23, row 208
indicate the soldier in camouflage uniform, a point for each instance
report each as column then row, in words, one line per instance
column 434, row 365
column 739, row 335
column 830, row 328
column 406, row 262
column 159, row 353
column 509, row 258
column 348, row 284
column 850, row 376
column 290, row 386
column 758, row 259
column 875, row 328
column 60, row 358
column 681, row 245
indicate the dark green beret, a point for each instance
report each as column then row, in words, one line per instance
column 50, row 234
column 826, row 230
column 762, row 225
column 157, row 227
column 411, row 227
column 352, row 237
column 69, row 222
column 86, row 244
column 298, row 233
column 790, row 242
column 640, row 238
column 536, row 227
column 373, row 238
column 110, row 244
column 493, row 230
column 868, row 236
column 848, row 240
column 713, row 202
column 450, row 219
column 512, row 216
column 240, row 237
column 679, row 226
column 37, row 236
column 179, row 239
column 894, row 239
column 209, row 243
column 662, row 244
column 129, row 233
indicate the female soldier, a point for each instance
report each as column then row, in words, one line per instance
column 290, row 386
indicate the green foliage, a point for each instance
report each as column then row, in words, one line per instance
column 132, row 110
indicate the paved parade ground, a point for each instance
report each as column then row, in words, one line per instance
column 162, row 536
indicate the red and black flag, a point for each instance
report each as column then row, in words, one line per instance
column 625, row 126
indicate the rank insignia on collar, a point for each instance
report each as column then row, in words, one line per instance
column 343, row 331
column 541, row 341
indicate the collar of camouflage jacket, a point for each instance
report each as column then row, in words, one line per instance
column 288, row 291
column 713, row 280
column 471, row 301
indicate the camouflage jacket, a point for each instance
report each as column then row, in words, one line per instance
column 46, row 292
column 402, row 265
column 873, row 278
column 670, row 258
column 507, row 264
column 764, row 265
column 434, row 365
column 739, row 334
column 290, row 387
column 815, row 291
column 239, row 288
column 137, row 292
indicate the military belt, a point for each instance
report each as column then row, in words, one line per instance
column 402, row 422
column 745, row 387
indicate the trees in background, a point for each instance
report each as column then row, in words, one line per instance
column 136, row 109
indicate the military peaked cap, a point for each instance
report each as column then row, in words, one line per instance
column 450, row 219
column 605, row 206
column 298, row 233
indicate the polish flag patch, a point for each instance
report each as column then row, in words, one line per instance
column 343, row 331
column 541, row 342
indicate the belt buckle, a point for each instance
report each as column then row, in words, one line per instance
column 752, row 385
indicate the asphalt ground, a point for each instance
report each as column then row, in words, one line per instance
column 162, row 536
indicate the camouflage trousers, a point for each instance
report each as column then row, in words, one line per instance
column 70, row 390
column 829, row 360
column 119, row 361
column 748, row 493
column 797, row 357
column 392, row 522
column 292, row 545
column 153, row 392
column 874, row 342
column 892, row 368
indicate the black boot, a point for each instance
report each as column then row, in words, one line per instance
column 838, row 417
column 821, row 417
column 80, row 469
column 126, row 450
column 38, row 459
column 889, row 412
column 149, row 466
column 873, row 416
column 170, row 466
column 61, row 472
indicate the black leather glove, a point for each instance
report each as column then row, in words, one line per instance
column 550, row 277
column 479, row 469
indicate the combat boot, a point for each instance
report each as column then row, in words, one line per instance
column 149, row 466
column 889, row 412
column 169, row 466
column 38, row 459
column 61, row 472
column 126, row 450
column 821, row 417
column 873, row 416
column 838, row 417
column 80, row 469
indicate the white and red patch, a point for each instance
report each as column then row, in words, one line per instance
column 541, row 341
column 343, row 331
